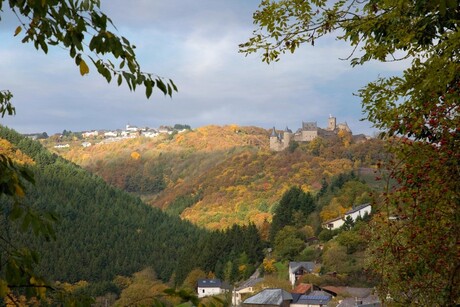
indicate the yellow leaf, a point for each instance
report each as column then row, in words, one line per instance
column 84, row 69
column 18, row 30
column 19, row 190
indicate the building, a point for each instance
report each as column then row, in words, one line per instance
column 359, row 211
column 314, row 299
column 298, row 269
column 308, row 132
column 210, row 287
column 88, row 134
column 246, row 287
column 354, row 213
column 269, row 298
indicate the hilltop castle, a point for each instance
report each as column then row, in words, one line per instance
column 308, row 132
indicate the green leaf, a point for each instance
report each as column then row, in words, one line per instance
column 148, row 88
column 173, row 85
column 161, row 86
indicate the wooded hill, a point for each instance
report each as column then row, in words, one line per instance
column 103, row 232
column 219, row 176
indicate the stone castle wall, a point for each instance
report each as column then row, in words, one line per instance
column 308, row 132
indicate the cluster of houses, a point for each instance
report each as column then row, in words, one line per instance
column 301, row 295
column 130, row 131
column 354, row 213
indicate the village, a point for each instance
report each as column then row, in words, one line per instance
column 302, row 294
column 92, row 137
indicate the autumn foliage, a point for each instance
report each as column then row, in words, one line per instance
column 219, row 176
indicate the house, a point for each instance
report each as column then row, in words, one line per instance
column 86, row 144
column 314, row 299
column 131, row 128
column 150, row 133
column 370, row 301
column 88, row 134
column 334, row 223
column 354, row 213
column 210, row 287
column 354, row 296
column 360, row 210
column 62, row 146
column 111, row 134
column 298, row 269
column 246, row 287
column 269, row 298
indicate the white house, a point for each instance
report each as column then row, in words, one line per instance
column 360, row 210
column 354, row 213
column 109, row 134
column 62, row 146
column 334, row 223
column 88, row 134
column 131, row 128
column 150, row 133
column 210, row 287
column 297, row 269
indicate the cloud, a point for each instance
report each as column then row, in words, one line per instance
column 196, row 44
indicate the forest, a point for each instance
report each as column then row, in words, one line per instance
column 216, row 176
column 262, row 209
column 102, row 232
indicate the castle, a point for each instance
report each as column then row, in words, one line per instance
column 308, row 132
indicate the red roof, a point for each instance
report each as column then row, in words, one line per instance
column 302, row 289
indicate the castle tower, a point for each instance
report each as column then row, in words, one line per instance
column 287, row 137
column 332, row 123
column 274, row 140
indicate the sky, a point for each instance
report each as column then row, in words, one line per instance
column 194, row 43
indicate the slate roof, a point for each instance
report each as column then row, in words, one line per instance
column 294, row 266
column 249, row 283
column 370, row 301
column 209, row 283
column 315, row 298
column 269, row 297
column 349, row 291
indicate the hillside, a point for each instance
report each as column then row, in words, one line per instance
column 103, row 232
column 219, row 176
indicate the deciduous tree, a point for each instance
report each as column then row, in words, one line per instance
column 89, row 35
column 415, row 236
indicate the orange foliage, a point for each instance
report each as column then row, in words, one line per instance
column 16, row 155
column 231, row 167
column 135, row 155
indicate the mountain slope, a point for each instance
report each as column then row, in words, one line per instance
column 102, row 231
column 219, row 176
